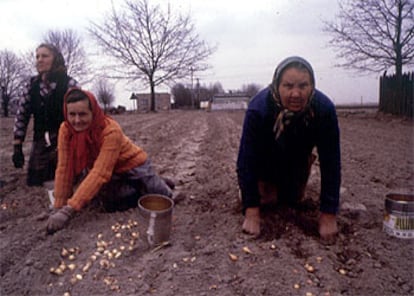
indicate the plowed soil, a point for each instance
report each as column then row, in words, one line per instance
column 209, row 255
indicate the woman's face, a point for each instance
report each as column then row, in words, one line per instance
column 295, row 89
column 79, row 115
column 44, row 60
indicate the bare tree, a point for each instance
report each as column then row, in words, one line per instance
column 183, row 95
column 374, row 35
column 12, row 74
column 70, row 45
column 104, row 93
column 154, row 46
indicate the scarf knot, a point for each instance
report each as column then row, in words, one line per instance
column 285, row 117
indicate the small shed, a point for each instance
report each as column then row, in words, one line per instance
column 143, row 101
column 230, row 101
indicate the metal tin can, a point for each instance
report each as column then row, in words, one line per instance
column 399, row 215
column 155, row 215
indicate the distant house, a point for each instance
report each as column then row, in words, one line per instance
column 229, row 101
column 205, row 105
column 142, row 102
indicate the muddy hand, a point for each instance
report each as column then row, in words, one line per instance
column 328, row 227
column 251, row 224
column 59, row 219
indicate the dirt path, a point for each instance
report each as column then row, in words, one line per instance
column 198, row 150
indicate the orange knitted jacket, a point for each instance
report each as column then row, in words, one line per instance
column 117, row 155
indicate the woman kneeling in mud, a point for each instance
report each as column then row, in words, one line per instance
column 283, row 124
column 96, row 156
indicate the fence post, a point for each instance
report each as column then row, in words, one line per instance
column 397, row 97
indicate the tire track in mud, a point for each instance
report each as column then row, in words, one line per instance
column 180, row 136
column 221, row 154
column 135, row 125
column 187, row 155
column 213, row 197
column 181, row 157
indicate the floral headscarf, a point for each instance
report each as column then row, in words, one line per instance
column 285, row 116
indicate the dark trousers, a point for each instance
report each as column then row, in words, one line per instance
column 123, row 190
column 272, row 192
column 42, row 161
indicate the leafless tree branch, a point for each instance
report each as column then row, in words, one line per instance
column 70, row 45
column 12, row 76
column 152, row 45
column 373, row 35
column 104, row 92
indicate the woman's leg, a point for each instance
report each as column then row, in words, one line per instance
column 304, row 181
column 42, row 162
column 147, row 181
column 118, row 195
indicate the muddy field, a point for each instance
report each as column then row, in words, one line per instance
column 209, row 255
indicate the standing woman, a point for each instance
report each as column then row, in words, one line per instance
column 97, row 158
column 42, row 98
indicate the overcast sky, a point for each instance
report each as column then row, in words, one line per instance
column 252, row 37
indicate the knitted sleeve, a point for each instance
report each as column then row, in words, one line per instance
column 23, row 113
column 247, row 161
column 328, row 145
column 63, row 176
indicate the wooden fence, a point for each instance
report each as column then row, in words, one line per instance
column 397, row 98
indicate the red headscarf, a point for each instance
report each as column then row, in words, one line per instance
column 85, row 145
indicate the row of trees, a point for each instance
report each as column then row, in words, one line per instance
column 156, row 46
column 187, row 97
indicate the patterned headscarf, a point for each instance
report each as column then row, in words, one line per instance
column 85, row 145
column 285, row 116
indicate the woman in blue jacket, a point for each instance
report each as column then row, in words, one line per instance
column 282, row 125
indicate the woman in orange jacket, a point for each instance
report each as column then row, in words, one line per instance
column 95, row 155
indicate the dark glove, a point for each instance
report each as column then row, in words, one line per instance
column 18, row 157
column 59, row 219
